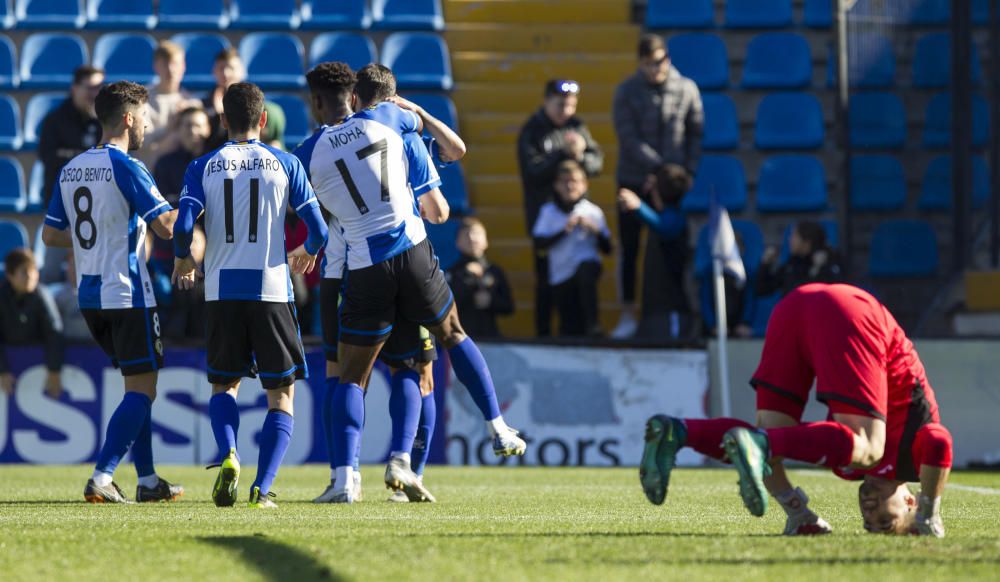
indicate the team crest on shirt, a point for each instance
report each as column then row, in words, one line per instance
column 158, row 346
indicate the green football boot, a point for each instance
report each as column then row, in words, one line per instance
column 224, row 490
column 748, row 450
column 259, row 501
column 665, row 436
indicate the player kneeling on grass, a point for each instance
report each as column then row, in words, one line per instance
column 108, row 198
column 884, row 426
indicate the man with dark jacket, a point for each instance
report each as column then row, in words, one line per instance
column 551, row 135
column 659, row 121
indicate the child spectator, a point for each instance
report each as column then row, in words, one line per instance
column 573, row 230
column 810, row 260
column 480, row 287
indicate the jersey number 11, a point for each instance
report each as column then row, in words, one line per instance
column 254, row 209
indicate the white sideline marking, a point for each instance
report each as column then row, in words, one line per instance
column 981, row 490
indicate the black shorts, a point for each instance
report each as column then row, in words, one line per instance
column 408, row 286
column 408, row 345
column 247, row 339
column 130, row 337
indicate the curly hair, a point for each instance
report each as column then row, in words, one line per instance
column 333, row 81
column 117, row 99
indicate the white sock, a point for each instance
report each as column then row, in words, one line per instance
column 101, row 479
column 343, row 478
column 497, row 426
column 793, row 501
column 149, row 481
column 401, row 455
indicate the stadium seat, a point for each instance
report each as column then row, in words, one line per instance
column 932, row 62
column 298, row 120
column 877, row 183
column 818, row 13
column 722, row 175
column 420, row 60
column 357, row 50
column 702, row 58
column 761, row 313
column 722, row 128
column 335, row 15
column 50, row 14
column 7, row 19
column 777, row 60
column 937, row 127
column 791, row 183
column 936, row 193
column 903, row 248
column 12, row 194
column 872, row 64
column 10, row 124
column 193, row 15
column 928, row 12
column 877, row 121
column 453, row 188
column 12, row 235
column 264, row 14
column 35, row 111
column 8, row 64
column 200, row 50
column 664, row 14
column 440, row 106
column 49, row 59
column 126, row 57
column 273, row 60
column 789, row 121
column 751, row 243
column 407, row 15
column 36, row 183
column 758, row 13
column 442, row 237
column 981, row 11
column 121, row 14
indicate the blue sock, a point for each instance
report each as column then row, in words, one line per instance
column 348, row 416
column 225, row 417
column 123, row 427
column 328, row 387
column 404, row 410
column 274, row 440
column 357, row 449
column 142, row 448
column 425, row 432
column 472, row 371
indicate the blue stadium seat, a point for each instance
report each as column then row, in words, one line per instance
column 442, row 237
column 751, row 243
column 298, row 121
column 777, row 60
column 126, row 57
column 200, row 50
column 702, row 58
column 761, row 313
column 873, row 66
column 453, row 188
column 335, row 15
column 981, row 11
column 903, row 248
column 12, row 195
column 791, row 183
column 670, row 14
column 722, row 128
column 789, row 121
column 274, row 60
column 12, row 235
column 10, row 124
column 49, row 59
column 407, row 15
column 264, row 14
column 877, row 183
column 877, row 121
column 121, row 14
column 420, row 60
column 51, row 14
column 932, row 62
column 929, row 12
column 8, row 64
column 357, row 50
column 7, row 19
column 440, row 106
column 193, row 15
column 36, row 183
column 35, row 111
column 758, row 13
column 722, row 175
column 937, row 125
column 936, row 193
column 818, row 13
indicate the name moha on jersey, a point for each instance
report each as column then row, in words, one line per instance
column 346, row 136
column 261, row 164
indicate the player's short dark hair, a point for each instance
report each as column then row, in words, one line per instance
column 376, row 83
column 242, row 105
column 84, row 72
column 332, row 81
column 226, row 54
column 649, row 44
column 18, row 258
column 117, row 99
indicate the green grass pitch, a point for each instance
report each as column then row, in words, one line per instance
column 489, row 524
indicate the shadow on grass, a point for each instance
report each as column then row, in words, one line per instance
column 274, row 560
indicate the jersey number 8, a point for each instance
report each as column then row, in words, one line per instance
column 85, row 228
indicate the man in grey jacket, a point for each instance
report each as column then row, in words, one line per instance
column 659, row 121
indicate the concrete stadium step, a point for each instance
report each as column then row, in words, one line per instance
column 502, row 159
column 538, row 11
column 507, row 222
column 506, row 191
column 522, row 322
column 524, row 98
column 542, row 38
column 508, row 67
column 503, row 128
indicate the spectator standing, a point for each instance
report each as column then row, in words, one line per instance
column 659, row 121
column 573, row 230
column 28, row 315
column 227, row 70
column 193, row 131
column 480, row 287
column 552, row 135
column 810, row 260
column 166, row 100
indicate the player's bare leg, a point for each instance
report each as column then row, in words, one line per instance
column 225, row 424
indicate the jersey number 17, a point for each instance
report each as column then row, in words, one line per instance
column 379, row 147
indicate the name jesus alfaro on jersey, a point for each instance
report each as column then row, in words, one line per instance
column 257, row 164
